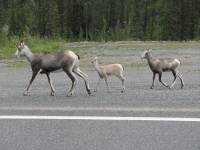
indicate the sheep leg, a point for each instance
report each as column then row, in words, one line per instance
column 32, row 78
column 180, row 77
column 123, row 82
column 97, row 88
column 153, row 83
column 107, row 83
column 160, row 79
column 82, row 73
column 51, row 85
column 73, row 78
column 84, row 77
column 175, row 77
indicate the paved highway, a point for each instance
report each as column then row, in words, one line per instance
column 87, row 134
column 40, row 121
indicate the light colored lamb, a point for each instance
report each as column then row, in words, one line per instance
column 108, row 70
column 161, row 65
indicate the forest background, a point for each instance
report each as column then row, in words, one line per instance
column 107, row 20
column 99, row 20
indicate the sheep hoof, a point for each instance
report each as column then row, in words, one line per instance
column 122, row 91
column 70, row 94
column 52, row 94
column 151, row 87
column 89, row 92
column 25, row 93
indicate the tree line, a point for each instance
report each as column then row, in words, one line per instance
column 102, row 20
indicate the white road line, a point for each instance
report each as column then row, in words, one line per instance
column 124, row 109
column 100, row 118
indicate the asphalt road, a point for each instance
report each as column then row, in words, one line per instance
column 138, row 100
column 98, row 135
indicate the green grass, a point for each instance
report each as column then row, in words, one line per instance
column 36, row 45
column 197, row 71
column 109, row 52
column 138, row 64
column 18, row 64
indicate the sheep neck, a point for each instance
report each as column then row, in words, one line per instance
column 150, row 61
column 98, row 69
column 97, row 65
column 28, row 54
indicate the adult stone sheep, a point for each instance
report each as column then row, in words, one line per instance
column 47, row 62
column 108, row 70
column 161, row 65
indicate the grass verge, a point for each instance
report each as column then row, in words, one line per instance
column 125, row 52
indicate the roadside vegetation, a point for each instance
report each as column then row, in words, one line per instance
column 108, row 52
column 99, row 28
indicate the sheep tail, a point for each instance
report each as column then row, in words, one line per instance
column 123, row 67
column 78, row 56
column 180, row 62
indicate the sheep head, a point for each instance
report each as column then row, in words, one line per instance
column 94, row 61
column 146, row 54
column 20, row 50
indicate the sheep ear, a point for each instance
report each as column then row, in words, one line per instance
column 22, row 43
column 95, row 58
column 149, row 50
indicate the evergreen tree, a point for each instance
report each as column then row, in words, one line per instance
column 1, row 14
column 138, row 22
column 103, row 19
column 52, row 19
